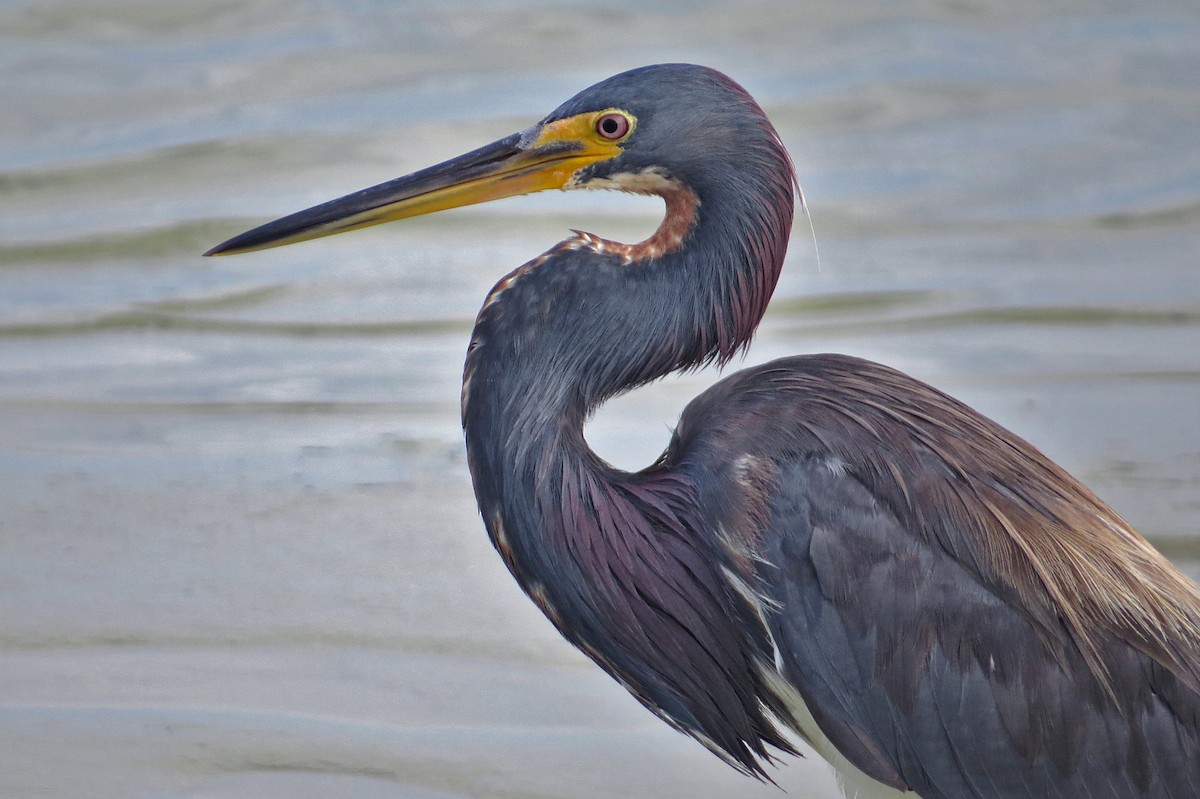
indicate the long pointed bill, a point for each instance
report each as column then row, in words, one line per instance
column 543, row 157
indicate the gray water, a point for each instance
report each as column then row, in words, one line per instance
column 238, row 549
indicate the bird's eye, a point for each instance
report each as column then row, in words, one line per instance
column 612, row 126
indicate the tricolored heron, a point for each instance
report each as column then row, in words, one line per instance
column 827, row 547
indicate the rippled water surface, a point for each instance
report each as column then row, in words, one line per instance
column 238, row 549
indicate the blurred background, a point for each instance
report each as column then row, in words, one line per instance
column 239, row 554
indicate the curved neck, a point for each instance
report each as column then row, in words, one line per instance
column 592, row 318
column 621, row 563
column 582, row 323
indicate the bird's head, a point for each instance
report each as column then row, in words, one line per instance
column 651, row 130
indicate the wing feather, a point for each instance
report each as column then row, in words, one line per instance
column 958, row 614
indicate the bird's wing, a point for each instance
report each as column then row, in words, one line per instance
column 911, row 667
column 918, row 610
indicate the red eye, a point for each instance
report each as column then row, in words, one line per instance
column 612, row 126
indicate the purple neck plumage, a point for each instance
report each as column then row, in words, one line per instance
column 610, row 557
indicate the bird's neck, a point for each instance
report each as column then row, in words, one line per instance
column 593, row 318
column 590, row 319
column 609, row 556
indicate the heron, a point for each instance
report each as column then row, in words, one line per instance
column 828, row 550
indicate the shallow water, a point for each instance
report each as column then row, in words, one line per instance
column 238, row 550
